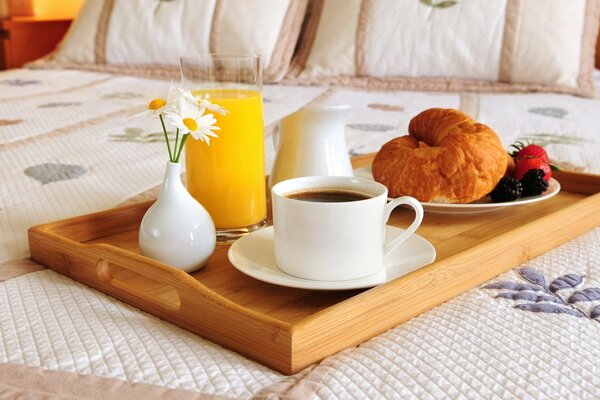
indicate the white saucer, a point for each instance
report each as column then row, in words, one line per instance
column 254, row 255
column 480, row 206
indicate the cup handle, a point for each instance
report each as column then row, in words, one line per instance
column 414, row 203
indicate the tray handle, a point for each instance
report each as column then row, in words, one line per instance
column 112, row 260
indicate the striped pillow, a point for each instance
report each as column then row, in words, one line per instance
column 144, row 37
column 451, row 45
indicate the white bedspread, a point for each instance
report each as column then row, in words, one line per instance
column 65, row 137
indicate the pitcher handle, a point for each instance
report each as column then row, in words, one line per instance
column 275, row 137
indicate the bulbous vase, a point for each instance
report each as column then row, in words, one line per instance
column 176, row 229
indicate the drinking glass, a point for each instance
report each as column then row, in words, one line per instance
column 228, row 176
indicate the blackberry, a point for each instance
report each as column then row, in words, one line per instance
column 507, row 189
column 534, row 183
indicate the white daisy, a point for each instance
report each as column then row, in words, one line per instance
column 189, row 117
column 213, row 107
column 205, row 103
column 161, row 104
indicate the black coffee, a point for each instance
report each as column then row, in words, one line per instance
column 328, row 196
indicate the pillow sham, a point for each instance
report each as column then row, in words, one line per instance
column 451, row 45
column 144, row 37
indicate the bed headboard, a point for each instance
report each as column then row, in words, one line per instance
column 598, row 52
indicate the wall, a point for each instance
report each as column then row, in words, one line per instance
column 57, row 8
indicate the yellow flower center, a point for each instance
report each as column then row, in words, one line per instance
column 191, row 124
column 156, row 104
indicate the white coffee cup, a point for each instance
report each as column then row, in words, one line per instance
column 333, row 241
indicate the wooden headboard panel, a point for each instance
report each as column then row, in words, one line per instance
column 598, row 53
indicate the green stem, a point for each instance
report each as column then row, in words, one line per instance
column 183, row 139
column 176, row 140
column 166, row 136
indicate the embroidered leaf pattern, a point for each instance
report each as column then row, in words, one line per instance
column 59, row 104
column 52, row 172
column 19, row 82
column 446, row 4
column 553, row 112
column 531, row 275
column 549, row 308
column 140, row 136
column 589, row 294
column 538, row 296
column 529, row 296
column 545, row 139
column 385, row 107
column 512, row 286
column 371, row 127
column 122, row 96
column 569, row 281
column 357, row 151
column 441, row 4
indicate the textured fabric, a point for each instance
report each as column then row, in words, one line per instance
column 477, row 346
column 19, row 381
column 251, row 27
column 334, row 57
column 22, row 83
column 65, row 137
column 62, row 152
column 49, row 321
column 159, row 33
column 162, row 24
column 427, row 44
column 65, row 147
column 548, row 50
column 435, row 45
column 79, row 42
column 12, row 269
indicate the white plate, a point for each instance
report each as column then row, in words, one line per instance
column 480, row 206
column 254, row 255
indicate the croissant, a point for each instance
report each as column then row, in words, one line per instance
column 448, row 157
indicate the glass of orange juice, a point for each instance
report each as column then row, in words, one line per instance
column 228, row 176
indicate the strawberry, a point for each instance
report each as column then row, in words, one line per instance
column 529, row 151
column 527, row 164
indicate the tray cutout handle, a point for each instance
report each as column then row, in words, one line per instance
column 106, row 272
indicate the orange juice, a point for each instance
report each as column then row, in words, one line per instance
column 228, row 176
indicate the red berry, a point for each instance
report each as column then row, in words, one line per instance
column 530, row 151
column 527, row 164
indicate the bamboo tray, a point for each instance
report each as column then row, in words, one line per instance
column 290, row 329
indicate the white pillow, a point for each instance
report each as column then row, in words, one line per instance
column 145, row 37
column 455, row 45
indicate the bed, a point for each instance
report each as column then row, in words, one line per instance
column 66, row 134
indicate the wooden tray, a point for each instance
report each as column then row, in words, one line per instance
column 289, row 329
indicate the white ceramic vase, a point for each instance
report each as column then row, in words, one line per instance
column 176, row 229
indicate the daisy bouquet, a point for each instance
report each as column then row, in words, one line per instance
column 187, row 114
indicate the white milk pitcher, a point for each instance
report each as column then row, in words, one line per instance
column 312, row 142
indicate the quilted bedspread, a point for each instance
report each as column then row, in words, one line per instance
column 65, row 137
